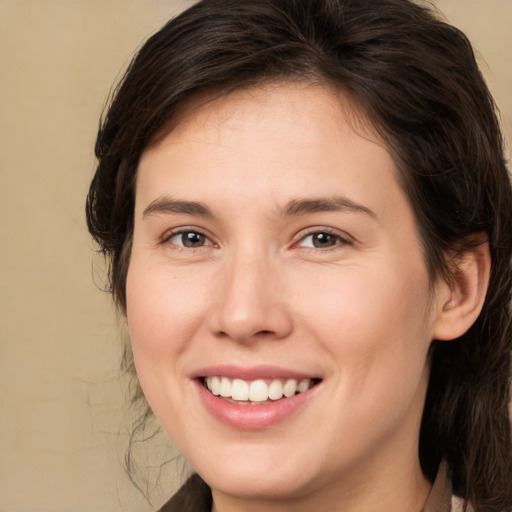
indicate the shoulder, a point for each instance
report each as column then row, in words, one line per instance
column 193, row 496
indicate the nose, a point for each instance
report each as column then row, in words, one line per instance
column 250, row 301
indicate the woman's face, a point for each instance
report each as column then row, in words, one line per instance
column 275, row 253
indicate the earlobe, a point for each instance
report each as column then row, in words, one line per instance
column 465, row 292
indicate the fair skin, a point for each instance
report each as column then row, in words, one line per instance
column 272, row 242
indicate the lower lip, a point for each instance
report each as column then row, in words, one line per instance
column 252, row 417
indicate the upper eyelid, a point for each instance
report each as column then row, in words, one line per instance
column 340, row 243
column 186, row 229
column 344, row 239
column 300, row 235
column 343, row 235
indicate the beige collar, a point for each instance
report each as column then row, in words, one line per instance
column 440, row 497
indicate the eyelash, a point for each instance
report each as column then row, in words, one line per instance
column 338, row 239
column 167, row 239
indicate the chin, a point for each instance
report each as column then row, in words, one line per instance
column 262, row 478
column 256, row 485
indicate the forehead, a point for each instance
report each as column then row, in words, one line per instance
column 299, row 98
column 287, row 133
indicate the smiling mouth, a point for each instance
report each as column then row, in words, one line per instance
column 256, row 392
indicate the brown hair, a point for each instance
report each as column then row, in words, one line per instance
column 415, row 77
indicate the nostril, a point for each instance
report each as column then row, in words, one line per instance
column 245, row 322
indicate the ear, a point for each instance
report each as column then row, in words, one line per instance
column 460, row 301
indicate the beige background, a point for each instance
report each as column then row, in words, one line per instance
column 61, row 401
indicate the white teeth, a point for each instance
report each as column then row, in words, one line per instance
column 257, row 390
column 290, row 388
column 275, row 390
column 240, row 390
column 225, row 387
column 214, row 385
column 303, row 385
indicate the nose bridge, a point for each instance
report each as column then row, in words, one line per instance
column 248, row 303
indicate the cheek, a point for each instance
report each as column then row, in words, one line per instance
column 362, row 301
column 160, row 310
column 163, row 316
column 377, row 336
column 374, row 324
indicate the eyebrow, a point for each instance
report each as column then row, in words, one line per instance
column 294, row 207
column 169, row 205
column 324, row 204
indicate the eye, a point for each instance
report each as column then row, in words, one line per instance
column 189, row 239
column 321, row 240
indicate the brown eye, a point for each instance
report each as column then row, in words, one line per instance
column 189, row 239
column 321, row 240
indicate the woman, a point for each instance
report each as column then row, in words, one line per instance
column 307, row 214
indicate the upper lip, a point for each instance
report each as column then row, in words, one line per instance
column 251, row 373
